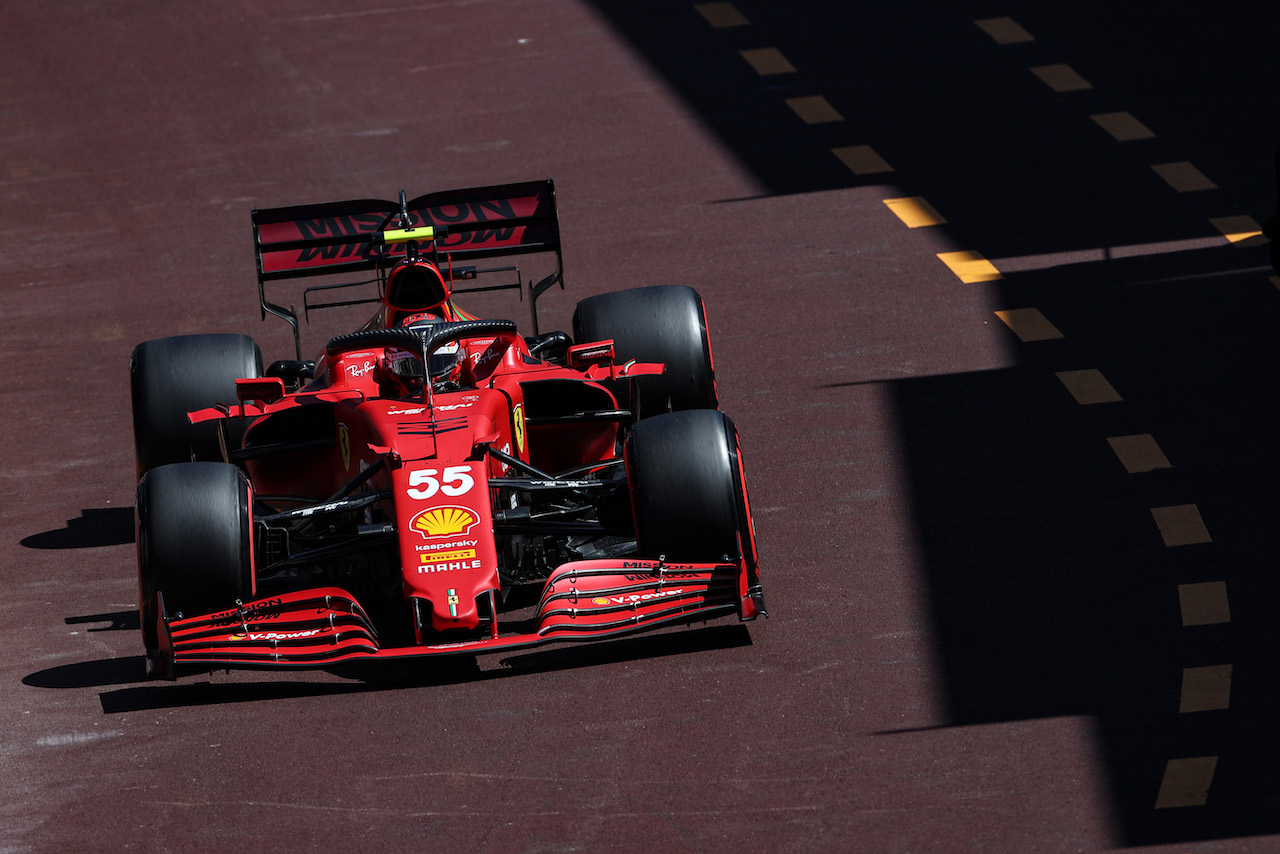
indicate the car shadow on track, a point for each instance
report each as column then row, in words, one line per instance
column 369, row 676
column 120, row 621
column 90, row 674
column 95, row 527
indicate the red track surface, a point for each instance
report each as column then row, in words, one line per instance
column 136, row 139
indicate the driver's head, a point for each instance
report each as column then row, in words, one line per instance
column 424, row 318
column 415, row 286
column 447, row 361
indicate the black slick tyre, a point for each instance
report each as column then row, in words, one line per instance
column 687, row 488
column 665, row 323
column 195, row 535
column 170, row 377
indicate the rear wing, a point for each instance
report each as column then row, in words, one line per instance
column 456, row 226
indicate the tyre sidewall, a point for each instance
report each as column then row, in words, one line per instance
column 688, row 498
column 195, row 526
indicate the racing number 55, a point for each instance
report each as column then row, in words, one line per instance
column 457, row 480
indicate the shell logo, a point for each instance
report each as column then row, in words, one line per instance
column 444, row 521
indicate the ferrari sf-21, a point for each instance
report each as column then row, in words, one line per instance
column 433, row 483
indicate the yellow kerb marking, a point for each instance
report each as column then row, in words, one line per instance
column 767, row 61
column 1004, row 30
column 915, row 212
column 1239, row 229
column 1139, row 453
column 1186, row 782
column 1089, row 387
column 861, row 159
column 1029, row 324
column 970, row 266
column 1206, row 689
column 1204, row 604
column 814, row 110
column 1122, row 126
column 721, row 15
column 1180, row 525
column 1061, row 78
column 1183, row 177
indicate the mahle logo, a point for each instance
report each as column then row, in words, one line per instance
column 444, row 521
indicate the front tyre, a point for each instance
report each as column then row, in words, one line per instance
column 195, row 542
column 688, row 489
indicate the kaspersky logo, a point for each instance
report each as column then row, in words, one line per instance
column 444, row 522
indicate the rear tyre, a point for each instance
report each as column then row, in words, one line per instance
column 666, row 323
column 687, row 488
column 173, row 376
column 195, row 528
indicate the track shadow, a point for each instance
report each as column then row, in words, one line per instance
column 1052, row 591
column 107, row 526
column 187, row 692
column 370, row 675
column 965, row 121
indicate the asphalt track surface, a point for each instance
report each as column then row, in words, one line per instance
column 998, row 621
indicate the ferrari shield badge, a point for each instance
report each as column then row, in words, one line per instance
column 344, row 444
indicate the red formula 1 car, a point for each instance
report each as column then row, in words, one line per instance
column 433, row 483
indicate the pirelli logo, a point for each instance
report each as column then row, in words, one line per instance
column 457, row 554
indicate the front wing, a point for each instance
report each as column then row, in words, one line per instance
column 583, row 600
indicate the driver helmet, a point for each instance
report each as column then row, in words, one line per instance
column 446, row 361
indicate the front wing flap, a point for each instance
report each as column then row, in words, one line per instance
column 317, row 626
column 588, row 597
column 582, row 600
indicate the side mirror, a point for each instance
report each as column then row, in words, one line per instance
column 582, row 356
column 265, row 390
